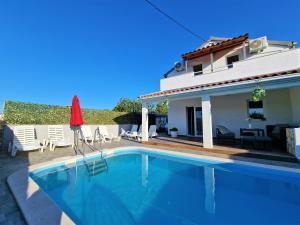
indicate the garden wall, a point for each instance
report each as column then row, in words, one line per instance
column 41, row 115
column 42, row 131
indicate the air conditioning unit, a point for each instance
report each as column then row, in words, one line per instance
column 179, row 66
column 258, row 45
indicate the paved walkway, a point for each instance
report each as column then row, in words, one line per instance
column 9, row 211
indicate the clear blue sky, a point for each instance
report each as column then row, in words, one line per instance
column 102, row 50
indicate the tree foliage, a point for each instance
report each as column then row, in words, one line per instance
column 129, row 105
column 162, row 107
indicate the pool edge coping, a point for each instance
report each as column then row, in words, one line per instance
column 29, row 195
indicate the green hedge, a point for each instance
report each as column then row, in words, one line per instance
column 28, row 113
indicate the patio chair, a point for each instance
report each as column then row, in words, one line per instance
column 123, row 132
column 24, row 140
column 223, row 132
column 87, row 134
column 133, row 131
column 135, row 134
column 152, row 131
column 56, row 137
column 105, row 136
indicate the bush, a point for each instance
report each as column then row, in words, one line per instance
column 174, row 129
column 29, row 113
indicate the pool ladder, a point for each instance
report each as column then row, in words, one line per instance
column 96, row 166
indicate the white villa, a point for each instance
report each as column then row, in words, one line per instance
column 212, row 86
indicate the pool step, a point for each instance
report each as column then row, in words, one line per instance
column 96, row 167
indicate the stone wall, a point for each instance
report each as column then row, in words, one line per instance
column 293, row 141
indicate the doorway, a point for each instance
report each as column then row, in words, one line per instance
column 198, row 115
column 190, row 121
column 194, row 121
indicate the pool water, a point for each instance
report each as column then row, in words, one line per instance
column 146, row 188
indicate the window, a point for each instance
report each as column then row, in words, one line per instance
column 198, row 70
column 232, row 59
column 256, row 110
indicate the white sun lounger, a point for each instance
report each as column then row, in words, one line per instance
column 133, row 131
column 24, row 140
column 151, row 133
column 87, row 134
column 135, row 134
column 105, row 136
column 56, row 137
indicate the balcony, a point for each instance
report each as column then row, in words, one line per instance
column 253, row 66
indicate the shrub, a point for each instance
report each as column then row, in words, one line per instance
column 29, row 113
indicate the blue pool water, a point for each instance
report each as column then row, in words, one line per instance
column 146, row 188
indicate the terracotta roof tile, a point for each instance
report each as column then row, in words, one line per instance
column 216, row 47
column 195, row 87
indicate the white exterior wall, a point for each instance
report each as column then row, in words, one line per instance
column 177, row 113
column 231, row 111
column 253, row 66
column 295, row 100
column 219, row 62
column 220, row 58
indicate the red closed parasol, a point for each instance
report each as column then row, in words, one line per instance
column 76, row 121
column 76, row 116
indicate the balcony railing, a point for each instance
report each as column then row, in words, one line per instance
column 262, row 64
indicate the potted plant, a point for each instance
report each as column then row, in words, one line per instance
column 174, row 132
column 258, row 93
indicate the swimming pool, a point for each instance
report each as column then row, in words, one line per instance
column 145, row 187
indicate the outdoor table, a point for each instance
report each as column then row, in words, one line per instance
column 254, row 135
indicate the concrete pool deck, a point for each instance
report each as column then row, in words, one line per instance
column 10, row 213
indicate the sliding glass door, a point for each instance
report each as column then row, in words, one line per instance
column 198, row 114
column 190, row 120
column 194, row 121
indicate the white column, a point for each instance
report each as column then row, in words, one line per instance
column 186, row 65
column 144, row 122
column 207, row 122
column 244, row 51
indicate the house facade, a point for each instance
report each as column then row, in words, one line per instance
column 212, row 86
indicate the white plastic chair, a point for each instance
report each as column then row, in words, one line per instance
column 133, row 131
column 24, row 140
column 135, row 134
column 87, row 134
column 56, row 137
column 123, row 132
column 152, row 131
column 105, row 136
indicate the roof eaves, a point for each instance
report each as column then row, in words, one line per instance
column 188, row 54
column 221, row 83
